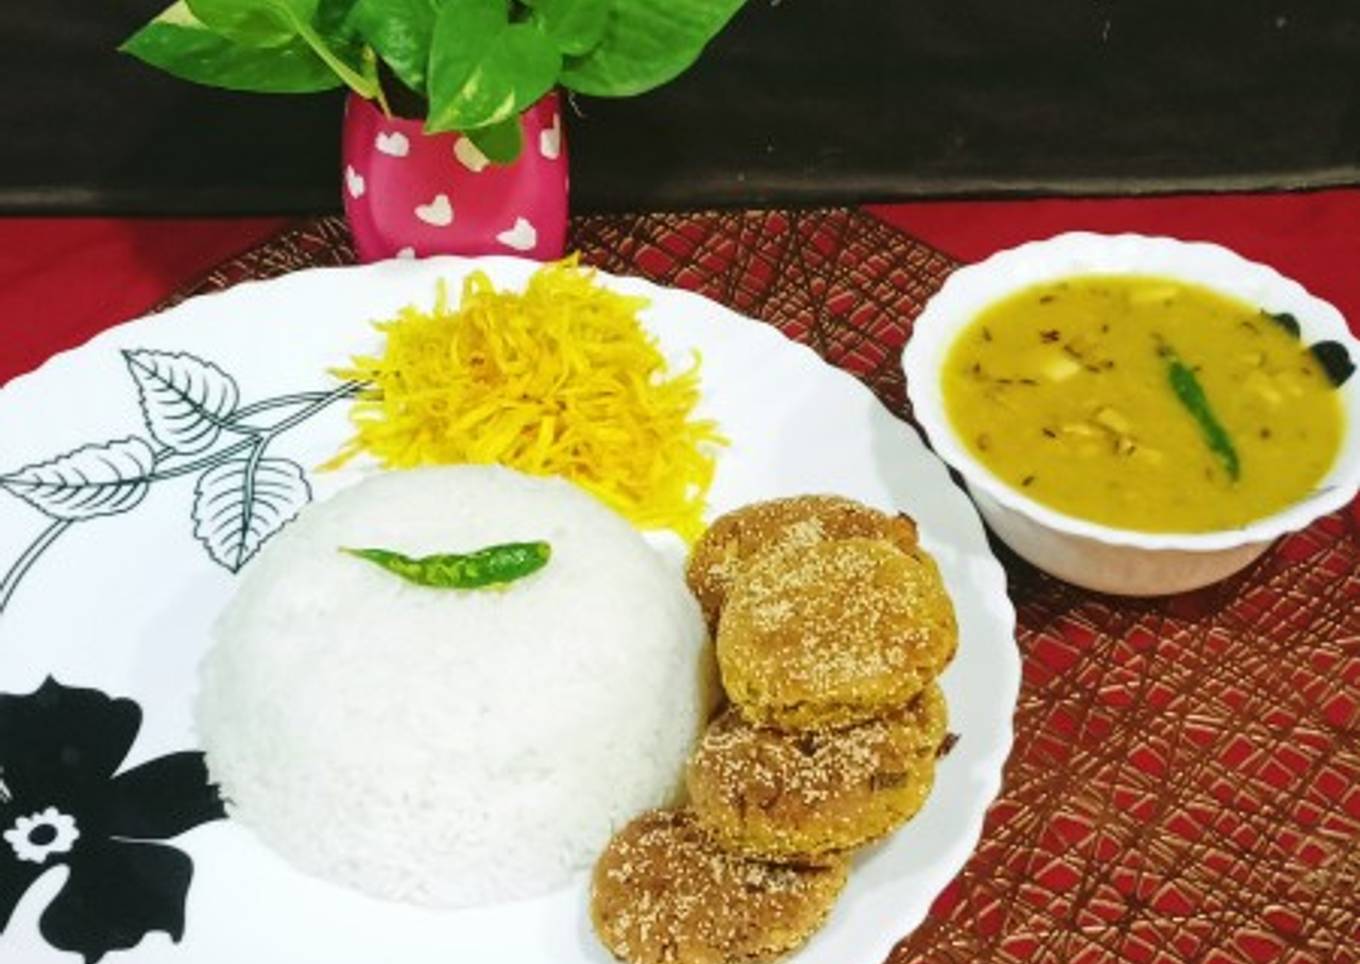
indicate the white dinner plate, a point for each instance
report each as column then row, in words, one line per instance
column 116, row 554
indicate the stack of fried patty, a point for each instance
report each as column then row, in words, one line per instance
column 831, row 625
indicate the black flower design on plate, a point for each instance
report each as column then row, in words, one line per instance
column 64, row 801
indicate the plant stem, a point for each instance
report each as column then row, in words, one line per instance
column 358, row 83
column 36, row 548
column 277, row 402
column 261, row 437
column 233, row 425
column 207, row 461
column 371, row 69
column 344, row 391
column 283, row 401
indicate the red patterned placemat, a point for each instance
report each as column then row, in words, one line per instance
column 1185, row 783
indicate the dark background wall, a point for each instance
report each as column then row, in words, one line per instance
column 799, row 101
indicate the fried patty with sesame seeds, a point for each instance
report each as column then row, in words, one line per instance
column 663, row 893
column 833, row 634
column 797, row 521
column 781, row 795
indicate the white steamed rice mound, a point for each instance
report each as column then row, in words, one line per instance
column 452, row 747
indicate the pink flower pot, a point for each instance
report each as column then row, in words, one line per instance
column 411, row 194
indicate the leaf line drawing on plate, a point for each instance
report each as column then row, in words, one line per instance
column 242, row 502
column 189, row 406
column 186, row 401
column 91, row 481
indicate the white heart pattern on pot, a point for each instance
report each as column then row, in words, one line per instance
column 438, row 212
column 550, row 139
column 394, row 144
column 470, row 155
column 522, row 237
column 354, row 182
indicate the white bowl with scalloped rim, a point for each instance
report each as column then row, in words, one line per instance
column 1122, row 561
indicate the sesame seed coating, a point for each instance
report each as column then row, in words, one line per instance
column 834, row 633
column 664, row 893
column 798, row 521
column 781, row 795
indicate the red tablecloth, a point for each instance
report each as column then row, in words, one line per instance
column 62, row 280
column 65, row 279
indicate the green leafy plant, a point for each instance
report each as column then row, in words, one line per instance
column 469, row 65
